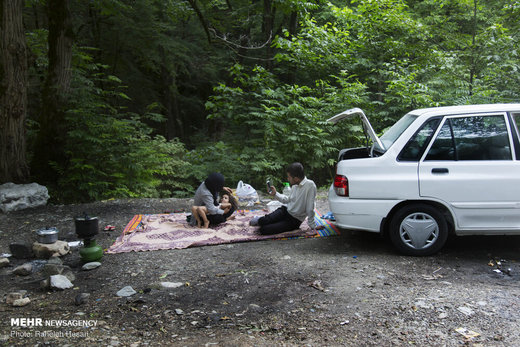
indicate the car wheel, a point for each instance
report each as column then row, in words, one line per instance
column 418, row 230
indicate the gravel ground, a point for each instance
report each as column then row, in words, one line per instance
column 349, row 290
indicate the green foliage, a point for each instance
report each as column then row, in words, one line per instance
column 269, row 124
column 266, row 102
column 111, row 153
column 377, row 43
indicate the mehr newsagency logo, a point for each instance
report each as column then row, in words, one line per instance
column 56, row 323
column 53, row 328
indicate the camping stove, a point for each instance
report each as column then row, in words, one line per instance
column 86, row 228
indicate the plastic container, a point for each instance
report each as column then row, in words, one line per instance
column 286, row 189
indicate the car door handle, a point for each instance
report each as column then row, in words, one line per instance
column 440, row 170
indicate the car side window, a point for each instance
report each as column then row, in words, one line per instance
column 443, row 147
column 515, row 126
column 472, row 138
column 415, row 147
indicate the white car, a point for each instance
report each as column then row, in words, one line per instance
column 436, row 171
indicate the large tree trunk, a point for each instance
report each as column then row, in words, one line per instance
column 13, row 93
column 49, row 149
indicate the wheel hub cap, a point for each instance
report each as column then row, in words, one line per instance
column 419, row 230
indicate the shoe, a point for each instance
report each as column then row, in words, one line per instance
column 329, row 216
column 254, row 221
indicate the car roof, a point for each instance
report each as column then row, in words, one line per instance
column 465, row 109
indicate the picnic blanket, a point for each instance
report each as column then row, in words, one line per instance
column 148, row 232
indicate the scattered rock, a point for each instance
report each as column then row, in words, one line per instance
column 171, row 284
column 126, row 291
column 91, row 266
column 423, row 304
column 4, row 262
column 50, row 269
column 38, row 265
column 23, row 270
column 45, row 283
column 256, row 308
column 466, row 310
column 70, row 275
column 21, row 250
column 60, row 282
column 12, row 297
column 81, row 298
column 16, row 197
column 46, row 251
column 55, row 261
column 56, row 269
column 21, row 302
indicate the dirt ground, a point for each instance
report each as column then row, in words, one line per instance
column 348, row 290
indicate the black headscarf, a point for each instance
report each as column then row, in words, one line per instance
column 215, row 183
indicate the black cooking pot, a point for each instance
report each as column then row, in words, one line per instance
column 86, row 227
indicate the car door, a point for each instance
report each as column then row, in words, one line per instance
column 470, row 167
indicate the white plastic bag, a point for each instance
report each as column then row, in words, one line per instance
column 246, row 194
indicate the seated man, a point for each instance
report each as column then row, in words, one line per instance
column 300, row 204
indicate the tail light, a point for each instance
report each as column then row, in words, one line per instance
column 341, row 185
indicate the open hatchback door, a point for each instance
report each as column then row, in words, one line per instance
column 353, row 112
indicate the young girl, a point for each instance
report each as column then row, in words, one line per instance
column 228, row 203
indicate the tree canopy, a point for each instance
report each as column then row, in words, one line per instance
column 146, row 97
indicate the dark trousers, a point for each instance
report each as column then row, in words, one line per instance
column 277, row 222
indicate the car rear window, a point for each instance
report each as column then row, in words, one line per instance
column 392, row 134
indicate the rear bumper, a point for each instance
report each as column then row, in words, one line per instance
column 359, row 214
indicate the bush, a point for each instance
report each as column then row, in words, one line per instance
column 269, row 124
column 112, row 154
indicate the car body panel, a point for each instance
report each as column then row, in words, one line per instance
column 359, row 214
column 482, row 196
column 365, row 183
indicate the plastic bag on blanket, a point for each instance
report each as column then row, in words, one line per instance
column 246, row 194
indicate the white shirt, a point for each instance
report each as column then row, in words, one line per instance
column 300, row 202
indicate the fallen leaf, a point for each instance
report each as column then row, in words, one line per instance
column 317, row 285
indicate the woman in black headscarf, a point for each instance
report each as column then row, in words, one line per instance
column 207, row 196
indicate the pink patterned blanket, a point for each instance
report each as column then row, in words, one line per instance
column 171, row 231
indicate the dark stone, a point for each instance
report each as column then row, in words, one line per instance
column 21, row 250
column 81, row 298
